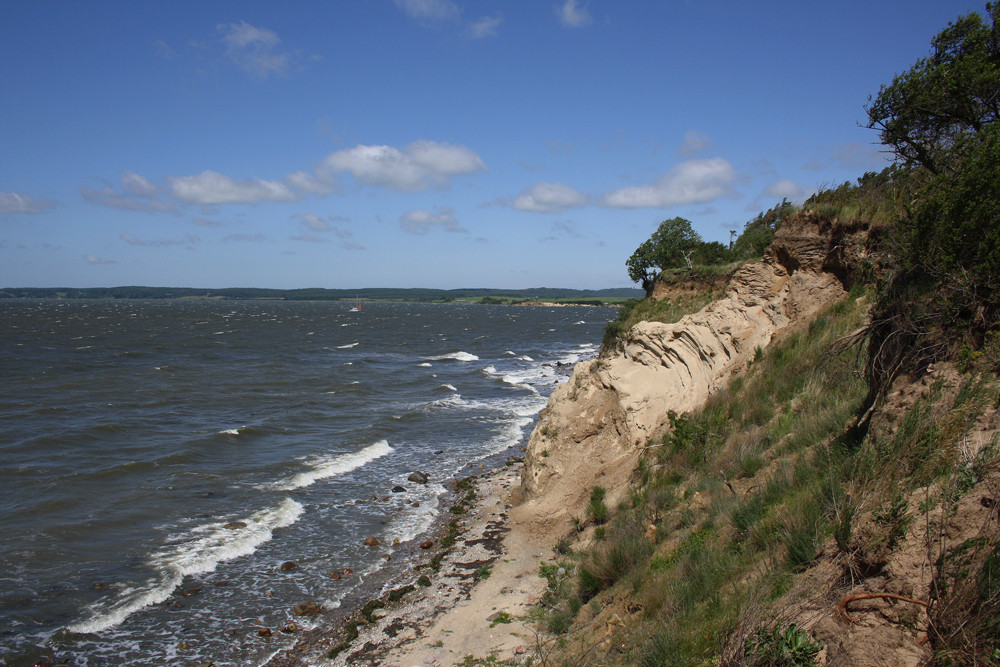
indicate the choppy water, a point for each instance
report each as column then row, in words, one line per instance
column 160, row 460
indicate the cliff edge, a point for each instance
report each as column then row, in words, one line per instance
column 596, row 424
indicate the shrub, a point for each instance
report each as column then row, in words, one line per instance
column 624, row 548
column 598, row 510
column 773, row 647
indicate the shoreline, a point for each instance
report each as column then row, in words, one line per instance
column 476, row 602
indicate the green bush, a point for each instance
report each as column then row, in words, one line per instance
column 599, row 512
column 773, row 647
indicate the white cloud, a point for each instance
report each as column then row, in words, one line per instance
column 432, row 10
column 691, row 182
column 252, row 49
column 420, row 165
column 252, row 238
column 308, row 183
column 138, row 186
column 107, row 196
column 205, row 222
column 485, row 27
column 420, row 222
column 310, row 238
column 561, row 231
column 444, row 159
column 15, row 202
column 139, row 195
column 314, row 222
column 163, row 50
column 190, row 241
column 573, row 16
column 91, row 259
column 786, row 189
column 695, row 141
column 550, row 198
column 210, row 187
column 345, row 235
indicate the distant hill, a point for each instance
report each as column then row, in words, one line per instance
column 319, row 294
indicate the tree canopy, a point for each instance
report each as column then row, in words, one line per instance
column 925, row 112
column 675, row 245
column 941, row 117
column 669, row 247
column 942, row 291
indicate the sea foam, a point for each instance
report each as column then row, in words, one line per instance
column 455, row 356
column 331, row 466
column 197, row 552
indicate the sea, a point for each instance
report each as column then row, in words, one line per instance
column 177, row 474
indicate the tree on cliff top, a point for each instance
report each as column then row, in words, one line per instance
column 670, row 247
column 926, row 111
column 940, row 118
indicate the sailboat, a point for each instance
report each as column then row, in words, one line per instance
column 357, row 308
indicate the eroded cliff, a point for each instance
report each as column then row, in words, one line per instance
column 597, row 423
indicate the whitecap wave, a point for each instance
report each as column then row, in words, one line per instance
column 524, row 379
column 197, row 552
column 455, row 356
column 518, row 381
column 331, row 466
column 347, row 347
column 453, row 400
column 425, row 365
column 411, row 521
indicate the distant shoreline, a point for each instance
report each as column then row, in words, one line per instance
column 543, row 296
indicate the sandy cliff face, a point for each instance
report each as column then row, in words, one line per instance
column 595, row 424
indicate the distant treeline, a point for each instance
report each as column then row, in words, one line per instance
column 590, row 297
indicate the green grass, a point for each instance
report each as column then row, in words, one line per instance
column 599, row 511
column 647, row 310
column 781, row 436
column 689, row 575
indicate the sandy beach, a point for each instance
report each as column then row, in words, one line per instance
column 477, row 602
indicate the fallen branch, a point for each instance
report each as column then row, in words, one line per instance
column 842, row 606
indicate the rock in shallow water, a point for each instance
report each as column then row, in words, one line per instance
column 372, row 542
column 307, row 609
column 418, row 477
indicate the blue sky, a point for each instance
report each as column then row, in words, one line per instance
column 421, row 143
